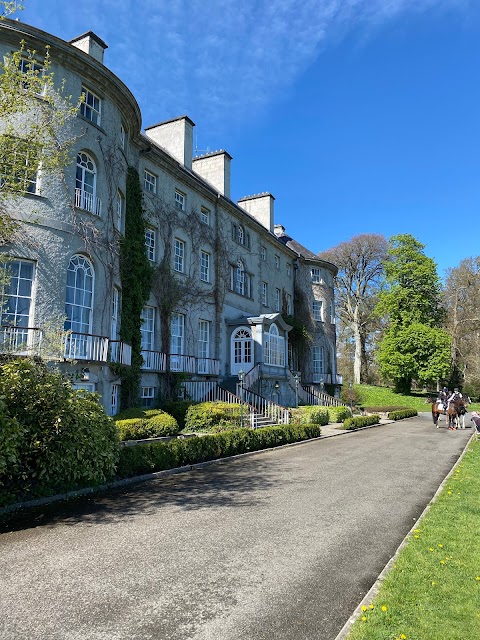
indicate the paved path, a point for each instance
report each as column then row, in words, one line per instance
column 280, row 545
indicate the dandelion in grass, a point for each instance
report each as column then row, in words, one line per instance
column 364, row 618
column 477, row 578
column 433, row 583
column 371, row 606
column 440, row 545
column 364, row 608
column 431, row 549
column 384, row 608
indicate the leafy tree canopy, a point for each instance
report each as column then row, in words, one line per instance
column 413, row 291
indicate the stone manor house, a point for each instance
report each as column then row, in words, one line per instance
column 233, row 296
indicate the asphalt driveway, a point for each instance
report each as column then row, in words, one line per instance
column 278, row 545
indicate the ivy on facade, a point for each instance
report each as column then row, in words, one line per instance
column 136, row 278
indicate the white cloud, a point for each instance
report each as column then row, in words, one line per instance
column 216, row 60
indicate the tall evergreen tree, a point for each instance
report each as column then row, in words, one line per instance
column 414, row 346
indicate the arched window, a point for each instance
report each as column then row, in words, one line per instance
column 79, row 307
column 274, row 347
column 86, row 184
column 241, row 350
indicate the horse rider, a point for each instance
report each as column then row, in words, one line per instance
column 443, row 398
column 453, row 397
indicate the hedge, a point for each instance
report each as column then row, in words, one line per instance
column 339, row 414
column 158, row 425
column 214, row 416
column 402, row 413
column 360, row 421
column 159, row 456
column 178, row 409
column 310, row 414
column 383, row 408
column 58, row 438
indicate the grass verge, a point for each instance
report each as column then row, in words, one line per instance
column 371, row 396
column 433, row 590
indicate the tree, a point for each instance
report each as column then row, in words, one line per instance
column 36, row 124
column 462, row 304
column 414, row 346
column 360, row 263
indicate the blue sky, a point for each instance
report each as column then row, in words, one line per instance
column 360, row 116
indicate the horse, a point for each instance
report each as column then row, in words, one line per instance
column 455, row 411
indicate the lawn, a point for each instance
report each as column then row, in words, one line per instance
column 432, row 591
column 370, row 396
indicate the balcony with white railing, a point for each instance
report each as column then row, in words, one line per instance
column 182, row 364
column 208, row 366
column 120, row 352
column 21, row 341
column 154, row 361
column 85, row 346
column 88, row 202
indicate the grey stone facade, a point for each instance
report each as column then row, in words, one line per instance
column 241, row 275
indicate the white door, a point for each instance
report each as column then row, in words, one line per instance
column 241, row 351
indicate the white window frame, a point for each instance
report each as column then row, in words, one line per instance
column 147, row 328
column 205, row 215
column 114, row 327
column 19, row 289
column 265, row 293
column 318, row 362
column 317, row 310
column 150, row 244
column 123, row 136
column 177, row 340
column 120, row 210
column 316, row 275
column 278, row 299
column 289, row 269
column 86, row 184
column 79, row 305
column 263, row 254
column 179, row 255
column 149, row 181
column 277, row 262
column 204, row 266
column 114, row 399
column 147, row 397
column 203, row 345
column 289, row 305
column 274, row 347
column 91, row 106
column 180, row 200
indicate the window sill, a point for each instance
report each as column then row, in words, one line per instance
column 94, row 124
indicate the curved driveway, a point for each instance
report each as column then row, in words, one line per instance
column 280, row 545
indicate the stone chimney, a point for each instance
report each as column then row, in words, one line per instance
column 90, row 43
column 215, row 168
column 260, row 207
column 176, row 137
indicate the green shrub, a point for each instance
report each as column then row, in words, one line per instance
column 310, row 415
column 67, row 442
column 214, row 416
column 360, row 421
column 159, row 456
column 338, row 414
column 178, row 409
column 402, row 413
column 160, row 424
column 384, row 408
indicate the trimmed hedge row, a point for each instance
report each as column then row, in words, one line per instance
column 309, row 415
column 339, row 414
column 155, row 427
column 159, row 456
column 360, row 421
column 402, row 413
column 383, row 408
column 214, row 416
